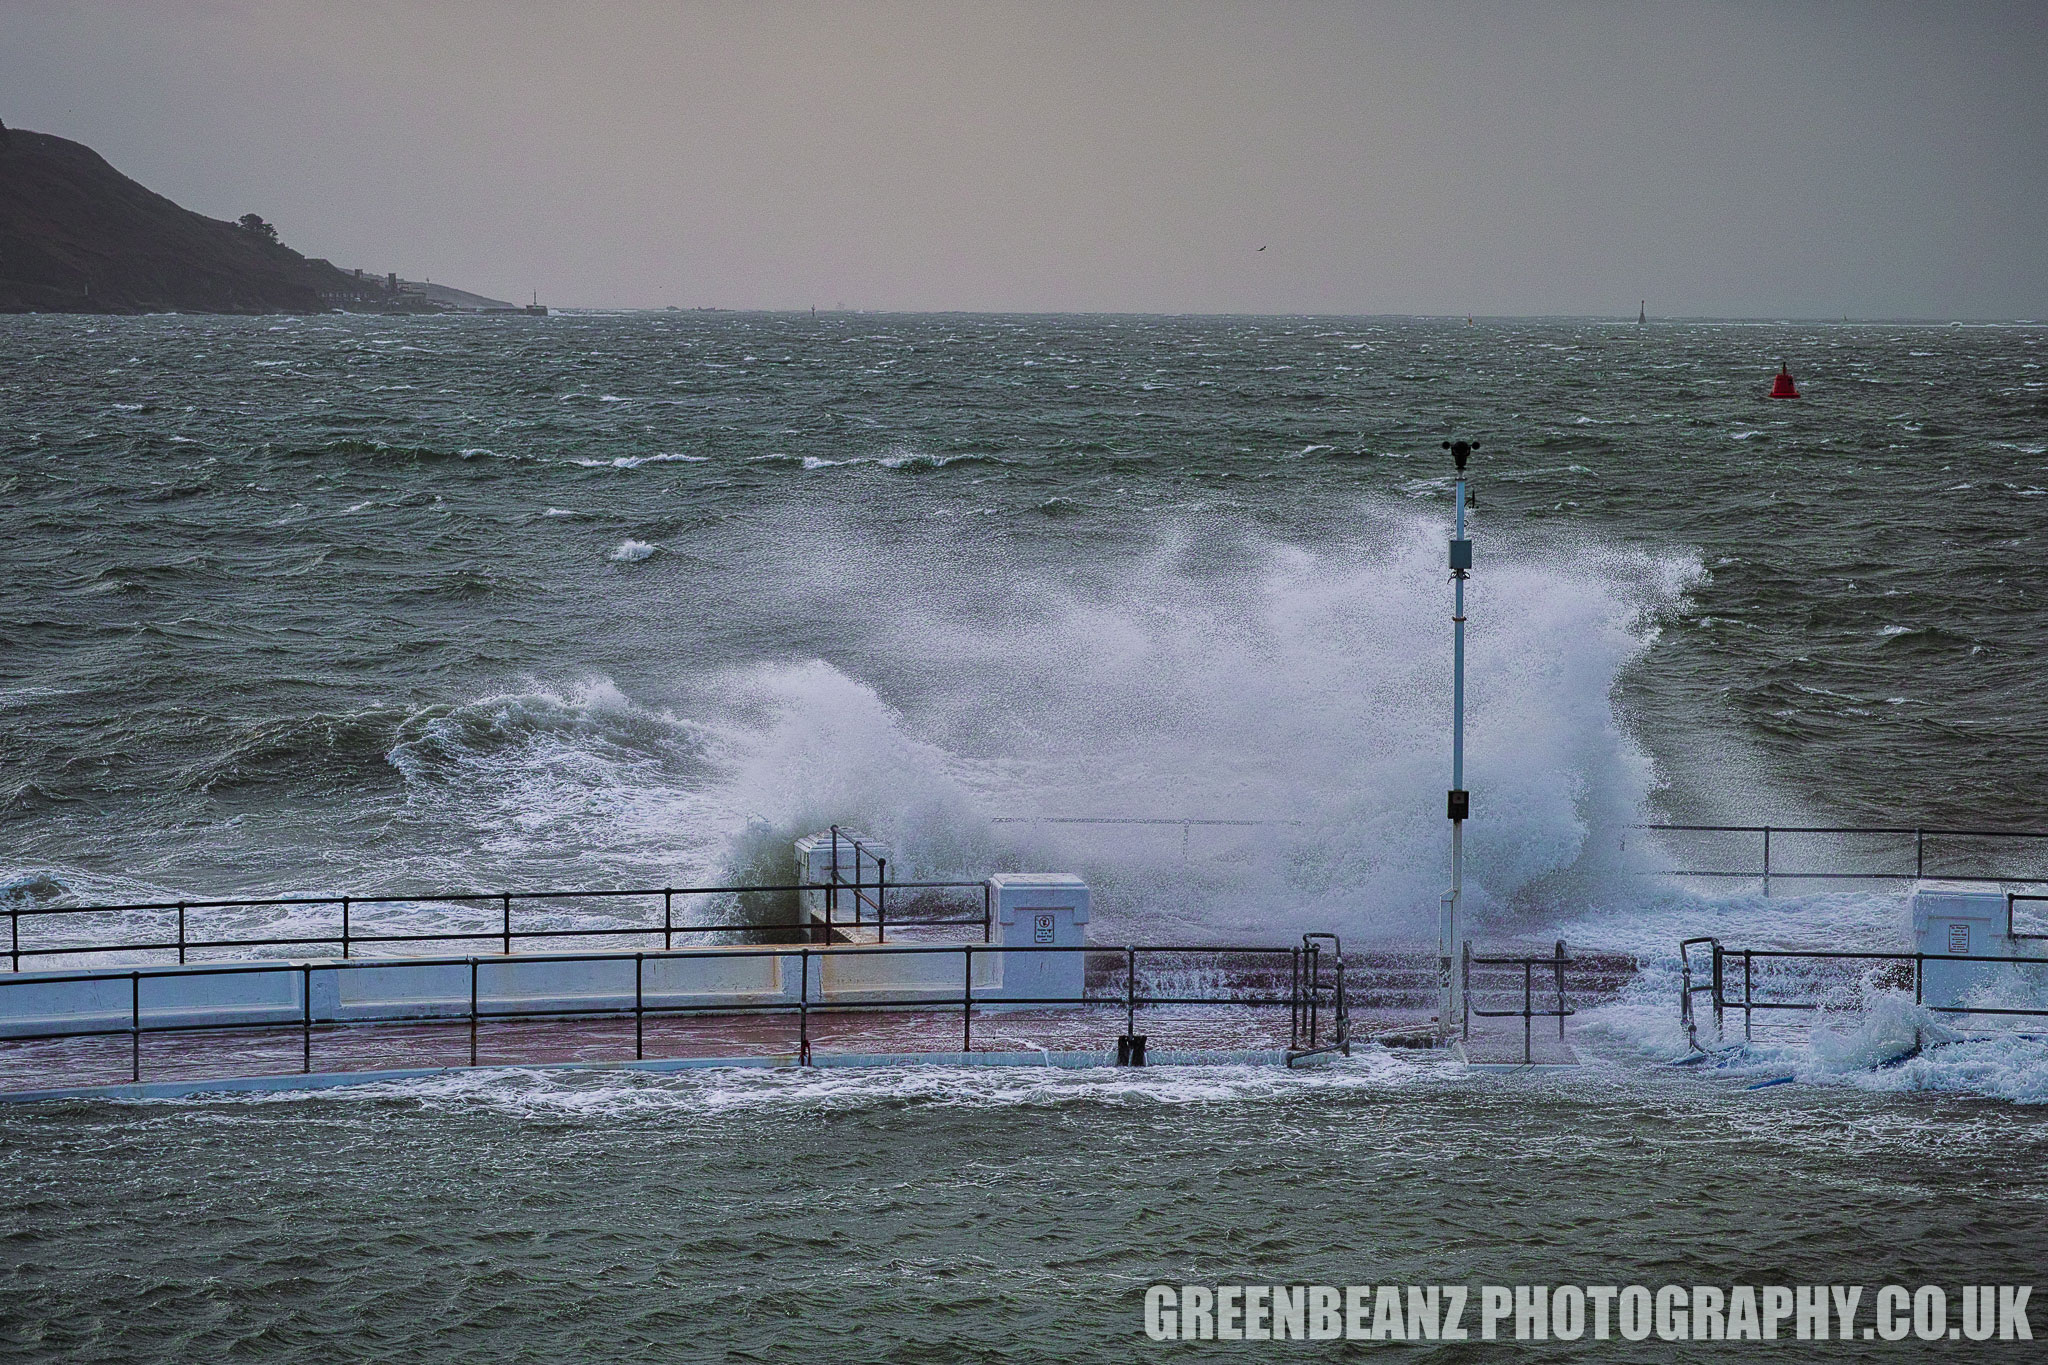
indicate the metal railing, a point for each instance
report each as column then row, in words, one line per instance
column 1719, row 989
column 346, row 933
column 1926, row 840
column 1311, row 994
column 1554, row 964
column 2012, row 900
column 871, row 899
column 1186, row 824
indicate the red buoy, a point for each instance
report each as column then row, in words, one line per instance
column 1781, row 386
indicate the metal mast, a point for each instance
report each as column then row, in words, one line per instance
column 1450, row 940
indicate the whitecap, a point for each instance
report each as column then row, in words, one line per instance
column 632, row 552
column 635, row 461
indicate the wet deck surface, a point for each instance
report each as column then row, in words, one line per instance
column 267, row 1051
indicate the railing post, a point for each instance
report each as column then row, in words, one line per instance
column 856, row 881
column 181, row 933
column 506, row 900
column 803, row 1000
column 344, row 926
column 1747, row 994
column 668, row 918
column 1465, row 990
column 1130, row 990
column 1294, row 998
column 1560, row 990
column 639, row 1009
column 306, row 1019
column 472, row 1011
column 14, row 935
column 967, row 999
column 1720, row 1027
column 881, row 900
column 1685, row 1020
column 135, row 1027
column 832, row 885
column 1528, row 1009
column 1920, row 961
column 1919, row 853
column 1767, row 862
column 1342, row 1007
column 1315, row 978
column 988, row 913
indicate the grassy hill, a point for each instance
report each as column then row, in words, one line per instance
column 77, row 236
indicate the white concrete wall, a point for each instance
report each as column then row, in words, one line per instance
column 941, row 976
column 370, row 988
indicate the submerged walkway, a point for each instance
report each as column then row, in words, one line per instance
column 40, row 1065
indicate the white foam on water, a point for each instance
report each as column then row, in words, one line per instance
column 635, row 461
column 1872, row 1037
column 631, row 552
column 578, row 1094
column 1228, row 677
column 1212, row 675
column 576, row 774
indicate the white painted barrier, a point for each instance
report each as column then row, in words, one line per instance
column 362, row 989
column 1032, row 910
column 853, row 857
column 1041, row 910
column 1962, row 919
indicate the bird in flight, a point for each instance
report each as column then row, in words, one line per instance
column 1262, row 248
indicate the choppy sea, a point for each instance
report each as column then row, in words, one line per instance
column 381, row 604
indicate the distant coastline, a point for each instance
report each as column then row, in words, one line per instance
column 77, row 236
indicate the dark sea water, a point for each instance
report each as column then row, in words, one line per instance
column 935, row 1216
column 379, row 604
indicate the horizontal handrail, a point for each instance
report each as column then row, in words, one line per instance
column 192, row 945
column 679, row 955
column 1555, row 961
column 1719, row 993
column 1767, row 873
column 450, row 897
column 1124, row 820
column 505, row 931
column 1302, row 998
column 1853, row 829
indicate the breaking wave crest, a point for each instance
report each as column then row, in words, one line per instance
column 1220, row 676
column 962, row 691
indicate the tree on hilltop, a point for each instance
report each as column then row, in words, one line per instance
column 254, row 224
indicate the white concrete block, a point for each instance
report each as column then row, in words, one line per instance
column 817, row 855
column 1041, row 910
column 1959, row 919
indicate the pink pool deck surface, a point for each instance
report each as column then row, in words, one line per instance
column 186, row 1056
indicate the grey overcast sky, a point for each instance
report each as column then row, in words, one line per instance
column 1787, row 159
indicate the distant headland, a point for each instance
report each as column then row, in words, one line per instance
column 77, row 236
